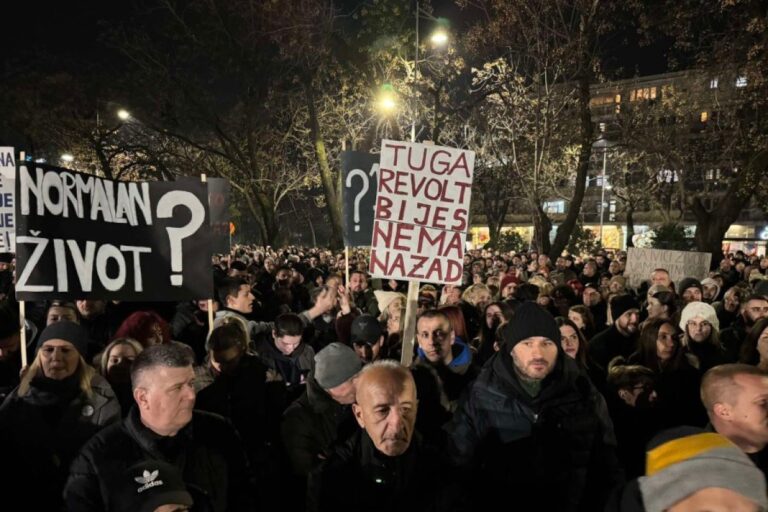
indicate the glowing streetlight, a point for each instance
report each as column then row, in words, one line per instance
column 387, row 100
column 66, row 157
column 439, row 37
column 123, row 114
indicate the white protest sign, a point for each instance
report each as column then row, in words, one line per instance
column 422, row 212
column 7, row 199
column 642, row 262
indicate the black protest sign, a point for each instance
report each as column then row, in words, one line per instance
column 80, row 236
column 360, row 172
column 218, row 202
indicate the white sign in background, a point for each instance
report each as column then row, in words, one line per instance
column 679, row 264
column 7, row 199
column 421, row 212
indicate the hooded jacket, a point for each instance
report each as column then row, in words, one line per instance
column 555, row 451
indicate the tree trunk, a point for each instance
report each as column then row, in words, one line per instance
column 542, row 226
column 630, row 225
column 326, row 176
column 711, row 226
column 565, row 229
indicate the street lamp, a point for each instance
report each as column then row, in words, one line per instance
column 438, row 38
column 387, row 100
column 66, row 157
column 123, row 114
column 603, row 144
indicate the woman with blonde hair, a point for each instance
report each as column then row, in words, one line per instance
column 115, row 365
column 60, row 403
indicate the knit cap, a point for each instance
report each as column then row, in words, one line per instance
column 711, row 282
column 702, row 309
column 336, row 364
column 684, row 460
column 67, row 331
column 688, row 282
column 508, row 278
column 620, row 304
column 530, row 320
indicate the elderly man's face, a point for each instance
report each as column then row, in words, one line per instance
column 165, row 397
column 661, row 277
column 386, row 409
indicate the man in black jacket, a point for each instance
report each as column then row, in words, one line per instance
column 620, row 339
column 163, row 426
column 320, row 417
column 384, row 466
column 533, row 426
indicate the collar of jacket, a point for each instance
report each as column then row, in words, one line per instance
column 162, row 447
column 318, row 398
column 462, row 357
column 563, row 379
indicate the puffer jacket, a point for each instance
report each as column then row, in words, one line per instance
column 42, row 433
column 207, row 451
column 552, row 452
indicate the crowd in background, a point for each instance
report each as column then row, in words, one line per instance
column 550, row 383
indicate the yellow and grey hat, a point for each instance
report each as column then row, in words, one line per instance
column 684, row 460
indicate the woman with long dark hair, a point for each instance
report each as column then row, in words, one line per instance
column 660, row 349
column 754, row 350
column 495, row 314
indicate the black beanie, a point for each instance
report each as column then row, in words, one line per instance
column 688, row 282
column 67, row 331
column 529, row 320
column 620, row 304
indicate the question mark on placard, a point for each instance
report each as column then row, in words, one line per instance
column 359, row 196
column 165, row 207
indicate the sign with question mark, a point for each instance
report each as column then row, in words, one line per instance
column 80, row 236
column 360, row 175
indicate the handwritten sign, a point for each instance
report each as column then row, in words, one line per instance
column 7, row 199
column 422, row 212
column 642, row 262
column 81, row 236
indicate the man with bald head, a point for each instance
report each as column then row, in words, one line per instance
column 736, row 399
column 384, row 466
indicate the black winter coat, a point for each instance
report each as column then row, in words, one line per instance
column 552, row 452
column 42, row 433
column 359, row 478
column 207, row 452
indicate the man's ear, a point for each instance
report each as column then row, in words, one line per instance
column 722, row 411
column 141, row 398
column 358, row 412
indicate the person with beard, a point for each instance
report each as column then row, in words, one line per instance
column 728, row 308
column 163, row 426
column 362, row 297
column 620, row 339
column 753, row 309
column 533, row 426
column 320, row 418
column 115, row 366
column 59, row 404
column 631, row 400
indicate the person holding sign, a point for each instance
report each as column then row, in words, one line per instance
column 60, row 403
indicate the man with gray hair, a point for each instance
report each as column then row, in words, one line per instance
column 163, row 426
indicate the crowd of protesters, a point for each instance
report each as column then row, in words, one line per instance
column 543, row 385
